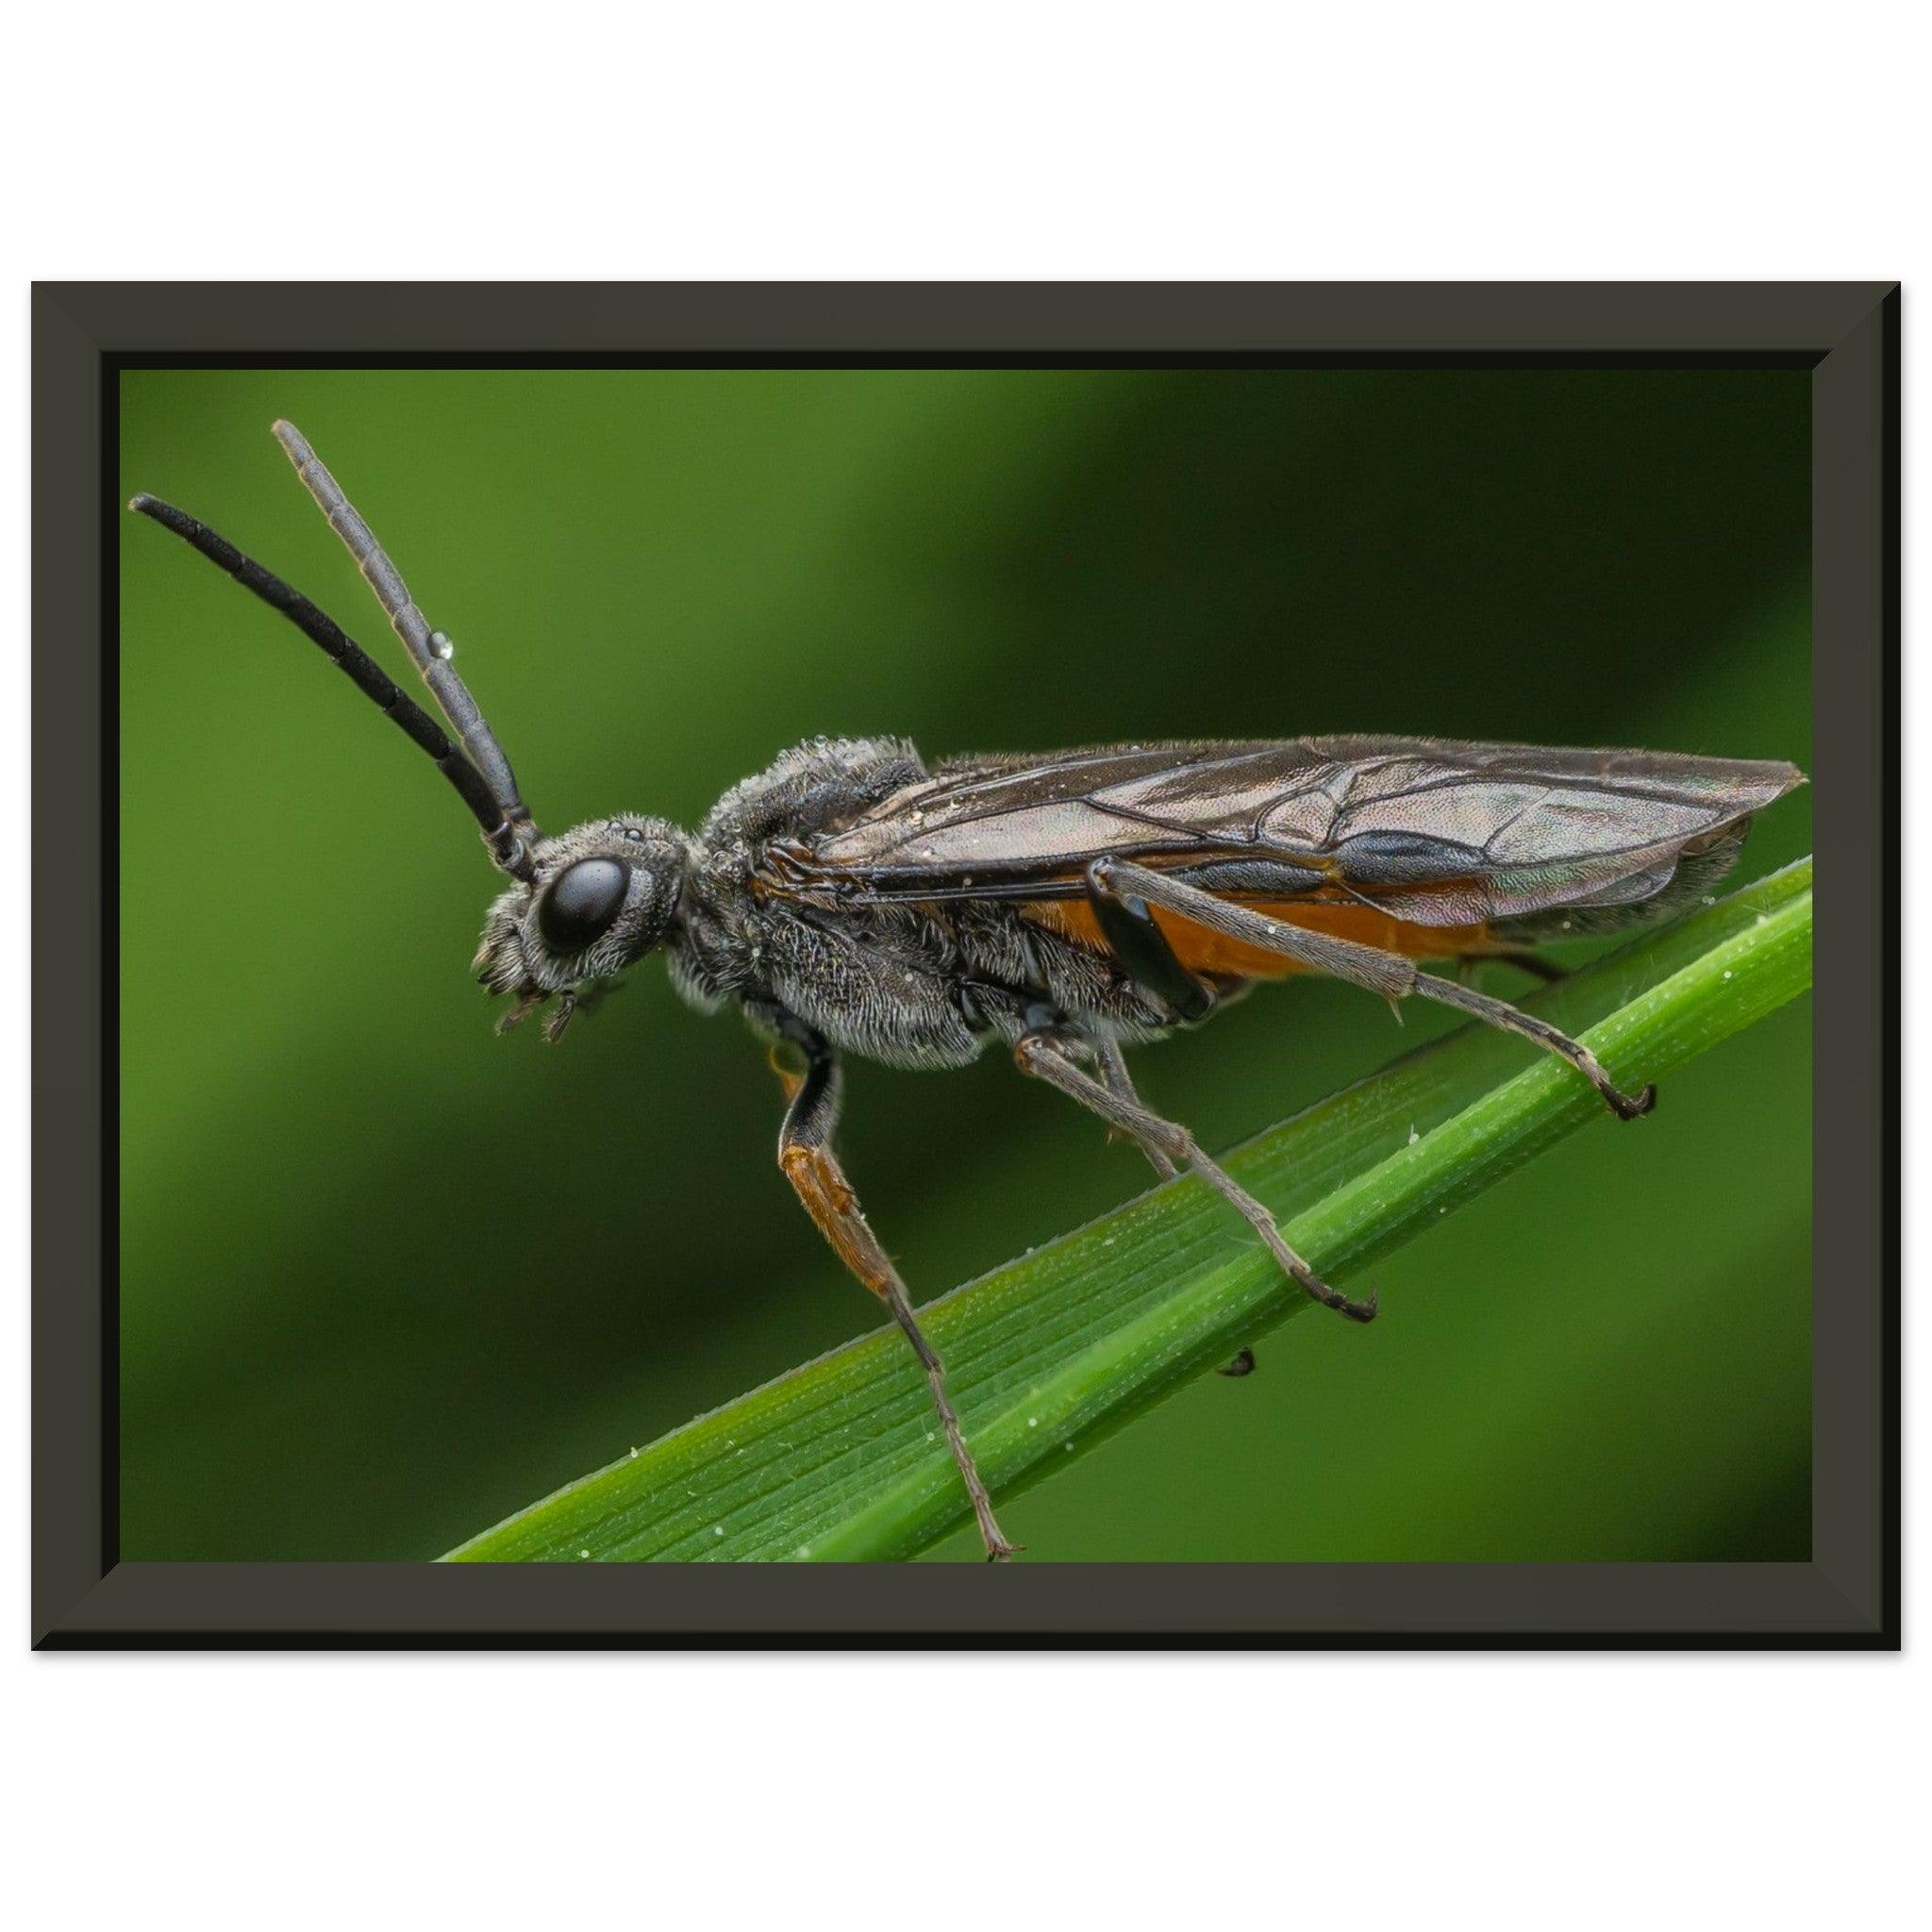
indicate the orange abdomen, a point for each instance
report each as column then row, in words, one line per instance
column 1204, row 951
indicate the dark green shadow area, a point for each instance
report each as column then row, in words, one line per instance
column 387, row 1279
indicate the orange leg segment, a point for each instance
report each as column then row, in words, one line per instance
column 806, row 1159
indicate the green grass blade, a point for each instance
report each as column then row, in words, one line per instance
column 841, row 1460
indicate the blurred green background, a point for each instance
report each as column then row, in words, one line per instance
column 386, row 1278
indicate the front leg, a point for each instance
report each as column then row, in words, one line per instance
column 808, row 1069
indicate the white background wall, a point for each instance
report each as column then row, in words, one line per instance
column 831, row 141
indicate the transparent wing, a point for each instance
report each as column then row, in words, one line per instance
column 1426, row 830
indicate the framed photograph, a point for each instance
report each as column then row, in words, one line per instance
column 1211, row 892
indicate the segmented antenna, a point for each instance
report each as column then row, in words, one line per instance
column 430, row 649
column 510, row 851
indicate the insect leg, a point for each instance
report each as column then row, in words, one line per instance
column 1142, row 948
column 1468, row 966
column 1532, row 963
column 805, row 1157
column 1044, row 1054
column 1510, row 1019
column 1386, row 974
column 1111, row 1065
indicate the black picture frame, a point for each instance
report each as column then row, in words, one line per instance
column 1847, row 1596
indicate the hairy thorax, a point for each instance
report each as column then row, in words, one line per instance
column 909, row 984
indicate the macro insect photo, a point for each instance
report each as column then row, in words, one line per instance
column 1036, row 782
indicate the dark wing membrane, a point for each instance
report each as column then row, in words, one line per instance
column 1428, row 830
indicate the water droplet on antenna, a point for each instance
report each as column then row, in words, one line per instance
column 440, row 642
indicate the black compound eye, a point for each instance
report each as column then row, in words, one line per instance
column 577, row 911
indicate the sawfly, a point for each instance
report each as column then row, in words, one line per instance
column 854, row 897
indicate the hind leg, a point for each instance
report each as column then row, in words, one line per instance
column 1388, row 974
